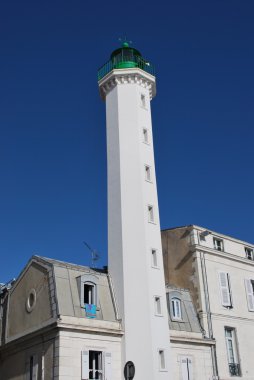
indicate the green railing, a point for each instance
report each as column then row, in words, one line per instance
column 125, row 61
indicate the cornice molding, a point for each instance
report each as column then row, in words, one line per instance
column 121, row 77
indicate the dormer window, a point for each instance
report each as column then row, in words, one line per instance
column 218, row 244
column 176, row 310
column 88, row 289
column 89, row 293
column 249, row 253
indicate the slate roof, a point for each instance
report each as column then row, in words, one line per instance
column 68, row 293
column 189, row 320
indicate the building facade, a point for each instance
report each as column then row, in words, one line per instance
column 49, row 333
column 219, row 272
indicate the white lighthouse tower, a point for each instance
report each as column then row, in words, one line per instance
column 127, row 84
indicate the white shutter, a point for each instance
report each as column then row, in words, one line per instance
column 35, row 367
column 186, row 368
column 224, row 289
column 190, row 369
column 107, row 366
column 85, row 365
column 249, row 293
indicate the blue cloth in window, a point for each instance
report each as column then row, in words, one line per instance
column 90, row 310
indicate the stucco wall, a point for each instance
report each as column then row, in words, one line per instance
column 72, row 343
column 19, row 319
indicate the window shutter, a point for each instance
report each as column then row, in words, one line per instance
column 85, row 365
column 108, row 375
column 190, row 369
column 186, row 368
column 35, row 367
column 224, row 289
column 249, row 293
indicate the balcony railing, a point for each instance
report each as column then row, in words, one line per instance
column 234, row 369
column 125, row 61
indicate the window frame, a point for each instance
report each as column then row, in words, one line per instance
column 100, row 364
column 143, row 100
column 88, row 279
column 173, row 302
column 154, row 254
column 162, row 360
column 157, row 306
column 145, row 135
column 151, row 216
column 249, row 252
column 148, row 173
column 232, row 347
column 93, row 293
column 215, row 246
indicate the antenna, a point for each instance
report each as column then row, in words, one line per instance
column 94, row 254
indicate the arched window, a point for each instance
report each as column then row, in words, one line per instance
column 176, row 308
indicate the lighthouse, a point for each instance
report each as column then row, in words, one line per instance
column 127, row 84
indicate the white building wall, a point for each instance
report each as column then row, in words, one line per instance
column 234, row 262
column 71, row 345
column 130, row 234
column 201, row 360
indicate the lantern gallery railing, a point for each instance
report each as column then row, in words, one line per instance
column 124, row 61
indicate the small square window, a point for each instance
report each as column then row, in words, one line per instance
column 154, row 258
column 249, row 253
column 218, row 244
column 157, row 300
column 145, row 136
column 162, row 361
column 150, row 214
column 148, row 173
column 143, row 100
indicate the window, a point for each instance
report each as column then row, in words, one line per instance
column 154, row 258
column 157, row 305
column 148, row 173
column 233, row 362
column 145, row 136
column 225, row 289
column 162, row 361
column 249, row 253
column 89, row 293
column 143, row 100
column 96, row 365
column 176, row 308
column 218, row 244
column 88, row 290
column 150, row 214
column 32, row 367
column 249, row 286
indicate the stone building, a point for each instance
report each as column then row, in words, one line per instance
column 48, row 332
column 219, row 272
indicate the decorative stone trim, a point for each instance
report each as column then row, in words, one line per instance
column 120, row 77
column 31, row 300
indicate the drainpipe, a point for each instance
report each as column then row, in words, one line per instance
column 209, row 317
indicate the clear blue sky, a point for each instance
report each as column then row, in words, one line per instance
column 52, row 121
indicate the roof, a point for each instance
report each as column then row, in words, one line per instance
column 189, row 321
column 208, row 229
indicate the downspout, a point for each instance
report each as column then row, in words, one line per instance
column 209, row 316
